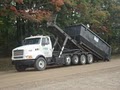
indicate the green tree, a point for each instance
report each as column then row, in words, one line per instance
column 21, row 18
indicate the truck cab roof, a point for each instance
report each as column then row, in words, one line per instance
column 37, row 36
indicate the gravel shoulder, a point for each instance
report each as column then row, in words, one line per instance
column 100, row 76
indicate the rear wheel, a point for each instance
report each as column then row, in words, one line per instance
column 67, row 60
column 40, row 64
column 108, row 60
column 20, row 68
column 83, row 59
column 75, row 59
column 89, row 58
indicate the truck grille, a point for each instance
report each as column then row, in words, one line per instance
column 18, row 54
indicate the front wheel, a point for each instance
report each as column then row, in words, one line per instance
column 40, row 64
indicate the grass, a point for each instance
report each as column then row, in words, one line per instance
column 6, row 64
column 115, row 56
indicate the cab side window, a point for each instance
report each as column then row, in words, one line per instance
column 45, row 41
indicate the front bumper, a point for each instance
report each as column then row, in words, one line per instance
column 24, row 62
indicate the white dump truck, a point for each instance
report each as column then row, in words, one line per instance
column 73, row 46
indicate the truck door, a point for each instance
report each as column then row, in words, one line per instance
column 46, row 47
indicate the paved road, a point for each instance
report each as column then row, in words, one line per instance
column 97, row 76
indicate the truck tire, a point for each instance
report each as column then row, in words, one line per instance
column 75, row 59
column 89, row 59
column 67, row 60
column 40, row 64
column 20, row 68
column 83, row 59
column 108, row 60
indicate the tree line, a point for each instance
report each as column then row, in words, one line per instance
column 22, row 18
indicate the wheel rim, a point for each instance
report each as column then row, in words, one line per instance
column 41, row 64
column 83, row 59
column 75, row 59
column 90, row 58
column 68, row 60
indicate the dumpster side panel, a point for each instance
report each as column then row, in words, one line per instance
column 88, row 39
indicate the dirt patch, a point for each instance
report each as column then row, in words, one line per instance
column 97, row 76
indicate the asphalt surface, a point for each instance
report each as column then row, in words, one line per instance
column 96, row 76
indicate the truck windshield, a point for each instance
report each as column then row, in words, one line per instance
column 32, row 41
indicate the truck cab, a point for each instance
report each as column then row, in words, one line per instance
column 33, row 48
